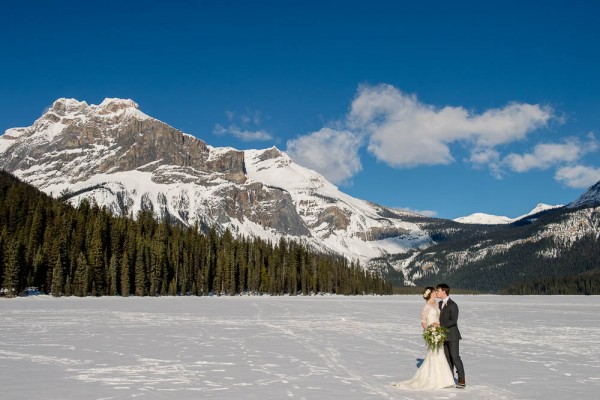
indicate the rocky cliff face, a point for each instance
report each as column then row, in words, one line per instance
column 122, row 159
column 81, row 140
column 118, row 157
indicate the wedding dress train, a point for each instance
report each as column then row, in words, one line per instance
column 434, row 372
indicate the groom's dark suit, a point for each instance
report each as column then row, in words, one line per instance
column 449, row 319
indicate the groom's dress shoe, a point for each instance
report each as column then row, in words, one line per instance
column 461, row 383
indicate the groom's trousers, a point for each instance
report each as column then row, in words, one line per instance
column 452, row 352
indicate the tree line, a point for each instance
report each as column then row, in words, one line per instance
column 83, row 251
column 587, row 283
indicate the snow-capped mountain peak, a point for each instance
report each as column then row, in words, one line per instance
column 590, row 198
column 345, row 224
column 483, row 218
column 68, row 105
column 120, row 158
column 72, row 115
column 537, row 209
column 276, row 168
column 489, row 219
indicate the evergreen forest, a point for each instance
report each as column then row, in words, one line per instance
column 87, row 251
column 587, row 283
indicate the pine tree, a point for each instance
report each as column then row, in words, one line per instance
column 141, row 278
column 58, row 277
column 79, row 288
column 2, row 252
column 97, row 259
column 158, row 271
column 36, row 232
column 12, row 268
column 125, row 274
column 113, row 276
column 233, row 272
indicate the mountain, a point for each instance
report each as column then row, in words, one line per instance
column 49, row 246
column 558, row 242
column 120, row 158
column 590, row 198
column 127, row 161
column 489, row 219
column 484, row 219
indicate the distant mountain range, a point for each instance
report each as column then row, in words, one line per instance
column 127, row 161
column 489, row 219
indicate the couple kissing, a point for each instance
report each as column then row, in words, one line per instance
column 440, row 325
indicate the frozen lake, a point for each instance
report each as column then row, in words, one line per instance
column 290, row 347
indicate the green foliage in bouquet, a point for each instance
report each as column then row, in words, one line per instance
column 435, row 336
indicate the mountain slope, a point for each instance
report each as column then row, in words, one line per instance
column 127, row 161
column 50, row 245
column 484, row 219
column 590, row 198
column 554, row 243
column 489, row 219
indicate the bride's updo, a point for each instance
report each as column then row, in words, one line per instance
column 428, row 292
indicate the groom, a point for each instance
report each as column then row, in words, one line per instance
column 449, row 319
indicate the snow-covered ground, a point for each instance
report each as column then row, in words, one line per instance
column 284, row 347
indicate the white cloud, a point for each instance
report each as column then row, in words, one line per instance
column 489, row 158
column 242, row 134
column 248, row 120
column 426, row 213
column 547, row 155
column 404, row 132
column 578, row 177
column 333, row 153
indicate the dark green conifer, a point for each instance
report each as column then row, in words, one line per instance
column 125, row 275
column 58, row 277
column 12, row 268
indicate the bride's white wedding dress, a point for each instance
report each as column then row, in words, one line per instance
column 434, row 372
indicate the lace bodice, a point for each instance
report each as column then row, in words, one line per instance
column 430, row 314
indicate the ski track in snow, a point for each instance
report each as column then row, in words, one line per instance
column 323, row 347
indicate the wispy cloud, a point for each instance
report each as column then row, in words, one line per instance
column 547, row 155
column 244, row 126
column 487, row 158
column 333, row 153
column 426, row 213
column 242, row 134
column 578, row 176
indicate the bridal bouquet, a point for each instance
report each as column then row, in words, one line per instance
column 435, row 336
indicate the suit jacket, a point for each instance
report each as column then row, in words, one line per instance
column 449, row 319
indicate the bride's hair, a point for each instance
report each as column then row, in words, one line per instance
column 428, row 292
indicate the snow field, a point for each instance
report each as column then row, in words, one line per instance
column 321, row 347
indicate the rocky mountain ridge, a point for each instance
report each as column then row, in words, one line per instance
column 490, row 219
column 120, row 158
column 123, row 159
column 590, row 198
column 552, row 243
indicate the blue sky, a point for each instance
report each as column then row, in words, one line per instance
column 448, row 108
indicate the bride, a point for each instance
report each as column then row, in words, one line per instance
column 434, row 372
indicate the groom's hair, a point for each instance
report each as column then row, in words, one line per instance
column 444, row 287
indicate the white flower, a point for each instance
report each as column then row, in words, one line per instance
column 434, row 336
